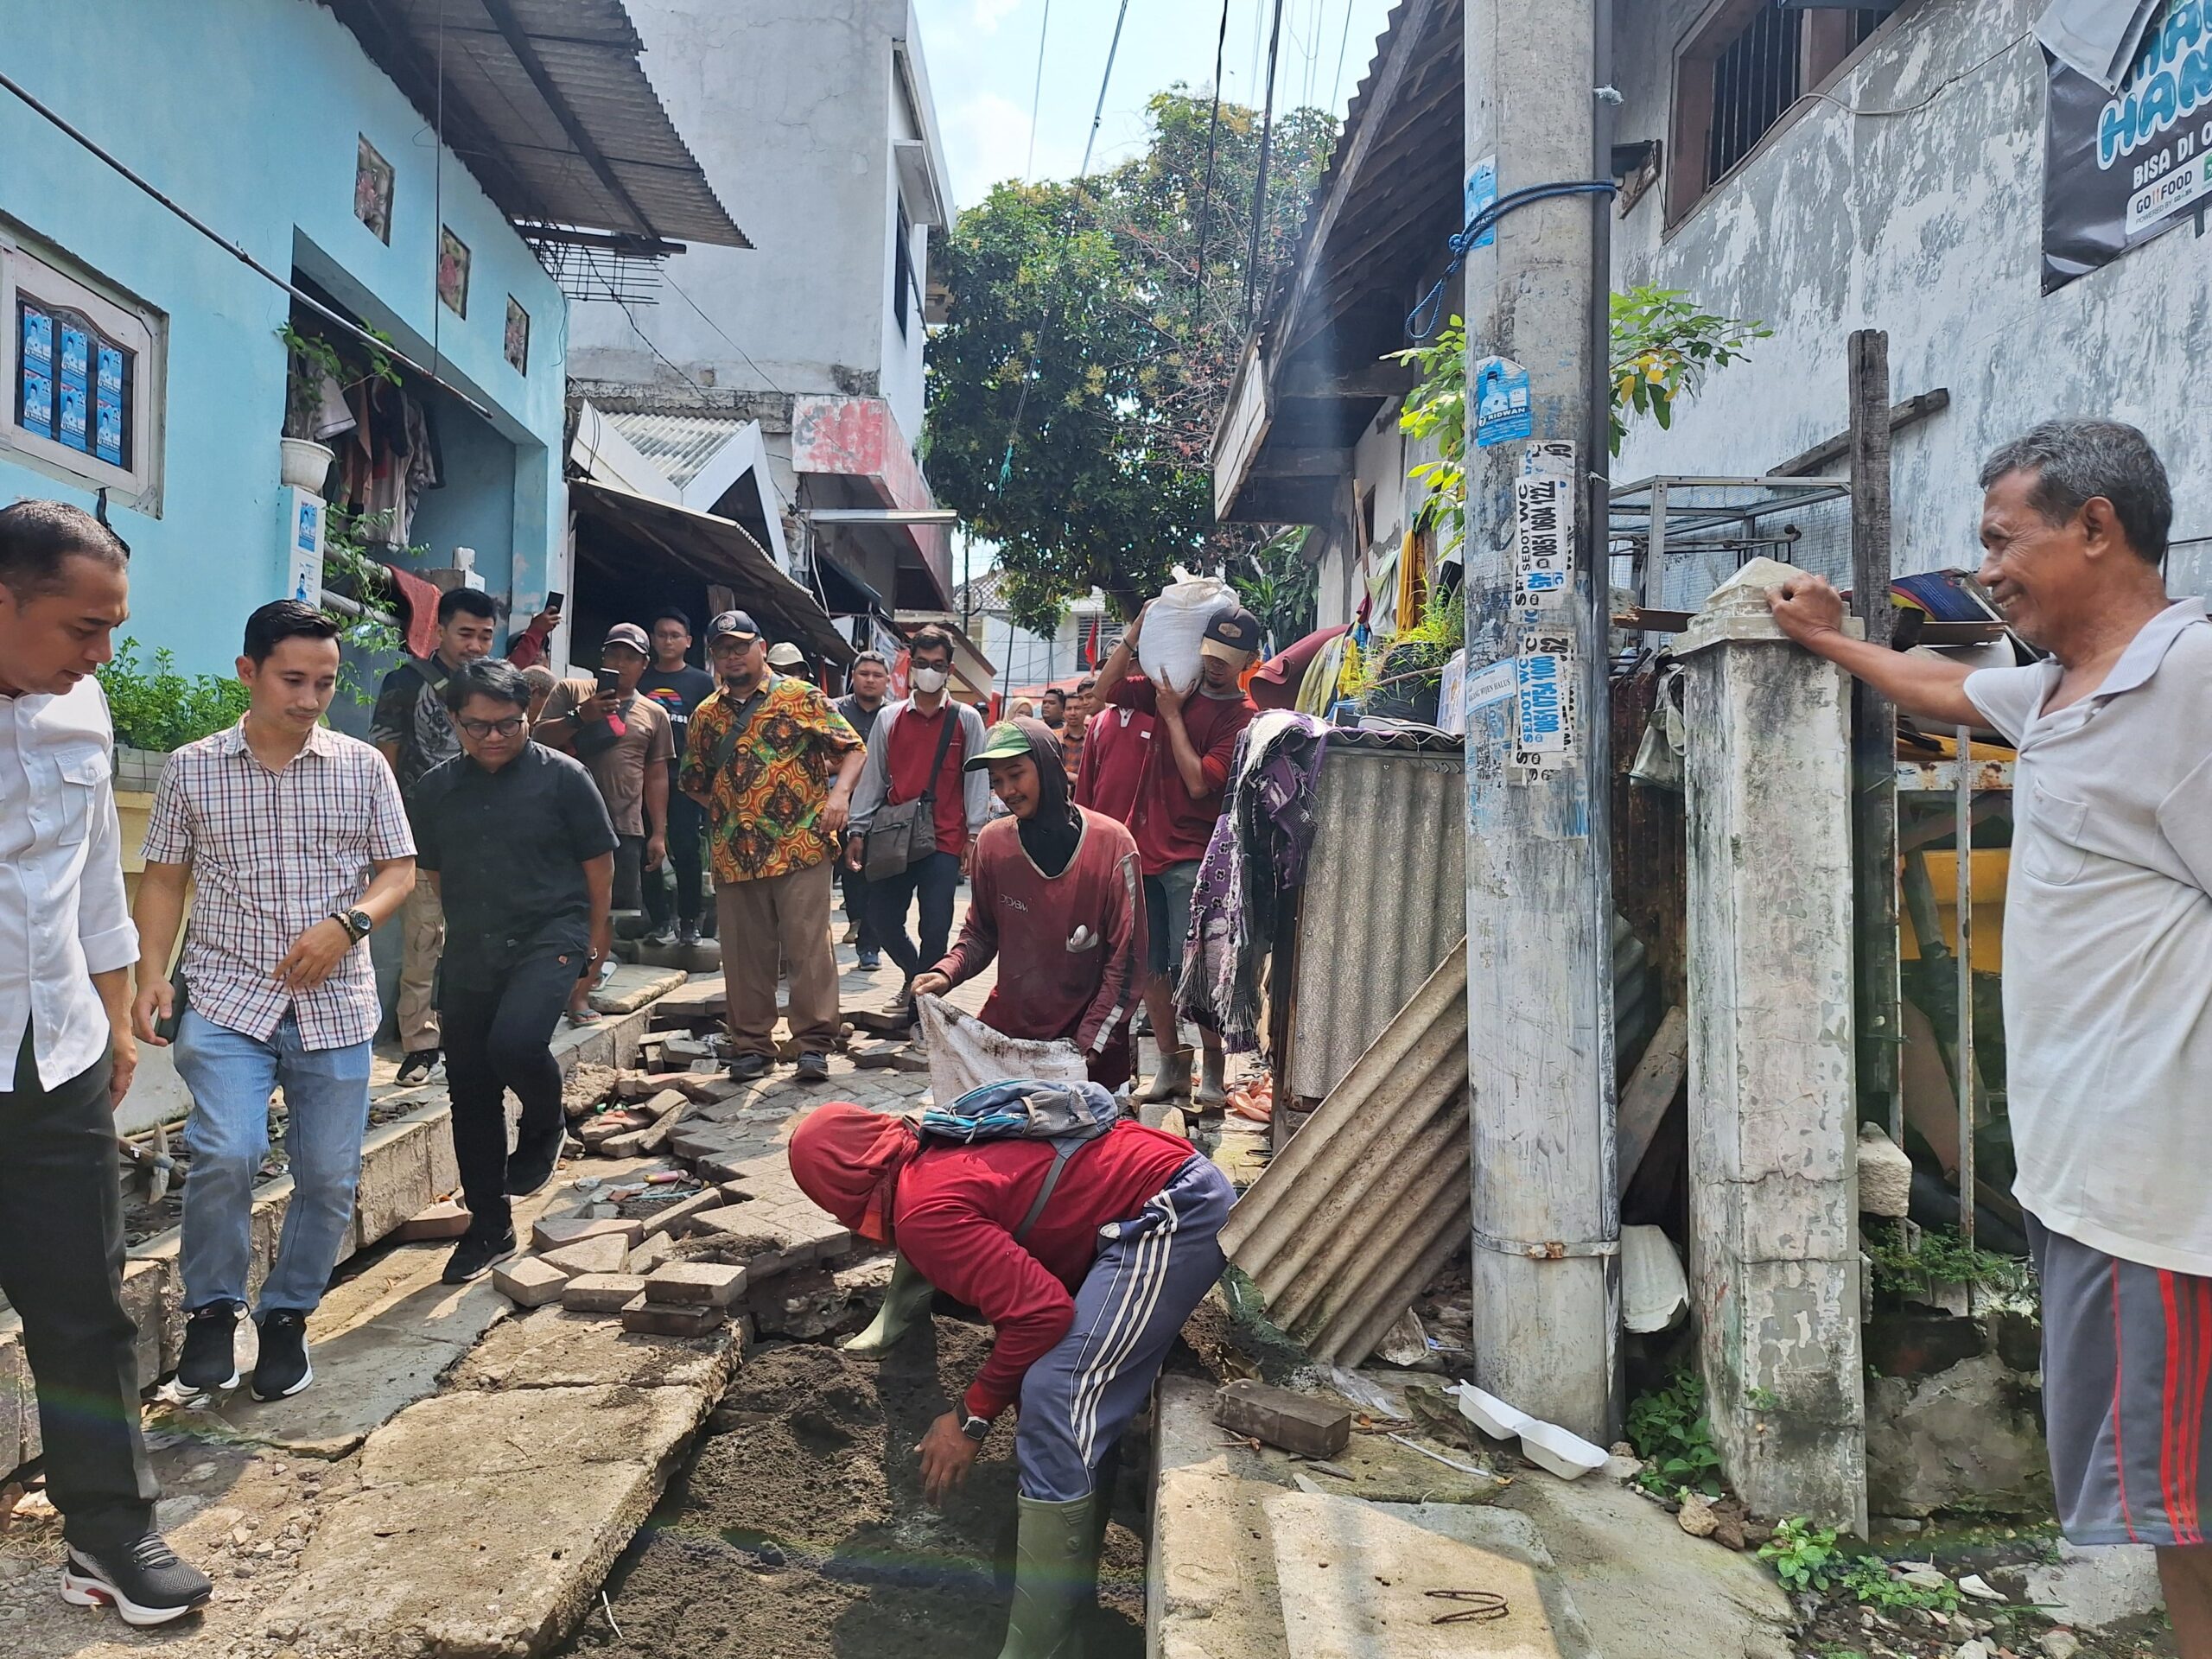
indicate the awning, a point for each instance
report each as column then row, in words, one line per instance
column 547, row 104
column 721, row 552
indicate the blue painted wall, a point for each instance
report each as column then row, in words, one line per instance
column 247, row 114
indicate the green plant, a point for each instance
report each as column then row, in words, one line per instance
column 1435, row 411
column 1670, row 1432
column 348, row 566
column 1761, row 1399
column 1868, row 1580
column 1278, row 586
column 1804, row 1556
column 309, row 359
column 1662, row 348
column 159, row 709
column 1941, row 1258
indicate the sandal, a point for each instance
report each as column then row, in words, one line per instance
column 583, row 1016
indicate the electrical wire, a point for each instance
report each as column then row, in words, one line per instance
column 1259, row 185
column 1205, row 201
column 1037, row 93
column 1942, row 86
column 1336, row 86
column 1431, row 304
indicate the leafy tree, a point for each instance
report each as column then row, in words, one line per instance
column 1073, row 389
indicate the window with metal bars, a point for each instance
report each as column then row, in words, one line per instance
column 1743, row 68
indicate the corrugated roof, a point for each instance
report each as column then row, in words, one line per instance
column 546, row 102
column 680, row 446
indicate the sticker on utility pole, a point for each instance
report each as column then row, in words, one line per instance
column 1544, row 736
column 1543, row 543
column 1501, row 402
column 1481, row 192
column 1492, row 684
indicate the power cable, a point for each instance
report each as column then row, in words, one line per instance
column 1037, row 93
column 1205, row 201
column 1431, row 304
column 1336, row 86
column 1259, row 185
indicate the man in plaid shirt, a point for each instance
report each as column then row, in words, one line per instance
column 300, row 846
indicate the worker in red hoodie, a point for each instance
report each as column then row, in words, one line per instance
column 1087, row 1263
column 1058, row 903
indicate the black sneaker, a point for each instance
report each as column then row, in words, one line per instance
column 665, row 934
column 417, row 1064
column 476, row 1254
column 283, row 1369
column 687, row 933
column 142, row 1581
column 210, row 1362
column 748, row 1068
column 532, row 1165
column 814, row 1068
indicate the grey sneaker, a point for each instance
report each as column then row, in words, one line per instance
column 142, row 1580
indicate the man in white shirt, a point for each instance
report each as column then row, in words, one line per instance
column 65, row 949
column 2109, row 965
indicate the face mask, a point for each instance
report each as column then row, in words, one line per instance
column 929, row 681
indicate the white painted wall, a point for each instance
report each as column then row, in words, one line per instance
column 1928, row 226
column 791, row 105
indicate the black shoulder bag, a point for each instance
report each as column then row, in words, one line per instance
column 901, row 836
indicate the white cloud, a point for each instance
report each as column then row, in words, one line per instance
column 987, row 15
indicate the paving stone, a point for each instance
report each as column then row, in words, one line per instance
column 710, row 1282
column 447, row 1218
column 686, row 1052
column 604, row 1253
column 665, row 1319
column 530, row 1281
column 1296, row 1422
column 601, row 1293
column 629, row 988
column 657, row 1249
column 553, row 1232
column 552, row 1348
column 629, row 1144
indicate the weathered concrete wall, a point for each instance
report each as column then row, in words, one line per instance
column 1927, row 224
column 1773, row 1237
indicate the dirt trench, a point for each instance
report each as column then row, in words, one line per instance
column 799, row 1532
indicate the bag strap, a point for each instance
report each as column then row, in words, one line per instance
column 428, row 673
column 944, row 748
column 1062, row 1149
column 741, row 722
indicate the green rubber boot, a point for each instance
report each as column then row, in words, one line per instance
column 905, row 1303
column 1055, row 1573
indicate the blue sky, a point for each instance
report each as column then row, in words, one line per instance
column 983, row 58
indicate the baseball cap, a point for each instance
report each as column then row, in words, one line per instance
column 1233, row 635
column 736, row 625
column 783, row 654
column 630, row 634
column 1006, row 741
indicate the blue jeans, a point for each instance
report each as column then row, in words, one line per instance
column 934, row 880
column 232, row 1076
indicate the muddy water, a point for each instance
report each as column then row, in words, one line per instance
column 800, row 1531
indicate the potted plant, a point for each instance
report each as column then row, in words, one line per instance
column 309, row 359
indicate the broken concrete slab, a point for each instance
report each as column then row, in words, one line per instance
column 1296, row 1422
column 2092, row 1588
column 713, row 1283
column 447, row 1218
column 629, row 988
column 553, row 1348
column 602, row 1253
column 554, row 1232
column 529, row 1280
column 601, row 1293
column 427, row 1558
column 672, row 1319
column 1972, row 1431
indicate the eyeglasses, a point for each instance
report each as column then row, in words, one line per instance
column 483, row 728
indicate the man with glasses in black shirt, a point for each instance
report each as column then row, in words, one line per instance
column 519, row 843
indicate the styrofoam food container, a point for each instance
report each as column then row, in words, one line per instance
column 1566, row 1453
column 1491, row 1414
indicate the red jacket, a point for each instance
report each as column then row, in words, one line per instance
column 955, row 1210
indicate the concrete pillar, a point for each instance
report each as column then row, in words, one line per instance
column 1774, row 1210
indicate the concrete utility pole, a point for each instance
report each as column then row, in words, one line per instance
column 1539, row 1006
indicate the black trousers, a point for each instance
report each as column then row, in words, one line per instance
column 934, row 881
column 499, row 1038
column 630, row 877
column 854, row 886
column 61, row 1269
column 687, row 847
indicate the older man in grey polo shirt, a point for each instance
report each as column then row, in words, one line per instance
column 2108, row 975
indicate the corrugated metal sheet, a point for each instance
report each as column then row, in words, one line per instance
column 1384, row 900
column 679, row 445
column 1371, row 1198
column 508, row 127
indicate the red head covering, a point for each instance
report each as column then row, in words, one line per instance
column 846, row 1159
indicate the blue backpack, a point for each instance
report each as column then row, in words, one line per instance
column 1067, row 1117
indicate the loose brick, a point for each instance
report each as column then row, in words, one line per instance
column 604, row 1253
column 601, row 1293
column 552, row 1234
column 731, row 1218
column 1297, row 1422
column 448, row 1218
column 696, row 1281
column 530, row 1281
column 663, row 1319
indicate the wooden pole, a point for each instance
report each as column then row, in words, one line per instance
column 1873, row 747
column 1539, row 1006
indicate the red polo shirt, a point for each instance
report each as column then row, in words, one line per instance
column 913, row 744
column 1169, row 827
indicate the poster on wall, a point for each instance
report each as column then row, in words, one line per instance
column 2122, row 167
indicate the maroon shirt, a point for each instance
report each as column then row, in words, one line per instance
column 1171, row 827
column 913, row 744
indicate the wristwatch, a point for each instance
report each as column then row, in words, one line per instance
column 356, row 923
column 978, row 1429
